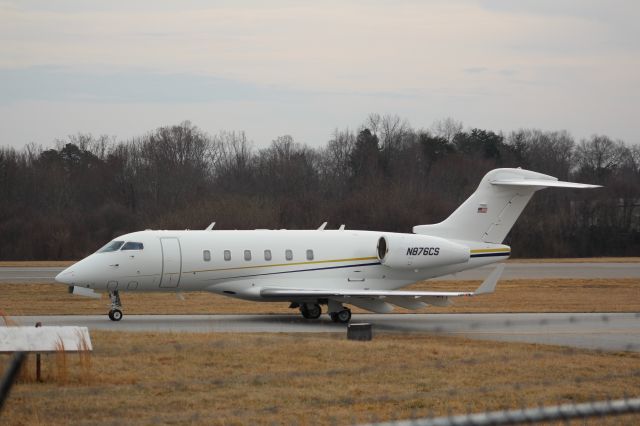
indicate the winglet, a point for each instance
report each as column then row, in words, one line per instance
column 489, row 285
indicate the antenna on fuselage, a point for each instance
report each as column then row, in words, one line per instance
column 341, row 227
column 321, row 227
column 210, row 227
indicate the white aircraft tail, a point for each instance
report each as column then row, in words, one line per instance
column 490, row 212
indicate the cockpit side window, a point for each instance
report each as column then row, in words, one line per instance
column 132, row 246
column 112, row 246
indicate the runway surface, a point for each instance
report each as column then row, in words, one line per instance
column 33, row 274
column 605, row 331
column 512, row 271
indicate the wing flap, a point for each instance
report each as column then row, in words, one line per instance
column 372, row 305
column 380, row 294
column 406, row 302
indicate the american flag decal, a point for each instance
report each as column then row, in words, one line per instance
column 482, row 208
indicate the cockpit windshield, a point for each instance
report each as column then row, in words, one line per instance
column 112, row 246
column 132, row 246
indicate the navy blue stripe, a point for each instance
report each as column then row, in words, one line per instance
column 299, row 270
column 491, row 254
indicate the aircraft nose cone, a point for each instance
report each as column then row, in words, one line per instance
column 65, row 277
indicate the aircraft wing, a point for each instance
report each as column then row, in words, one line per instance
column 298, row 293
column 378, row 300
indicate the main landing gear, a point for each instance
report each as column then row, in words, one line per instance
column 310, row 311
column 339, row 313
column 115, row 313
column 343, row 316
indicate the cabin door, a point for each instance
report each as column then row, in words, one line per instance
column 171, row 262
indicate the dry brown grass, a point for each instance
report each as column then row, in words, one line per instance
column 164, row 378
column 560, row 295
column 6, row 319
column 62, row 370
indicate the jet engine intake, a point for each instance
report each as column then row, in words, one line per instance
column 405, row 251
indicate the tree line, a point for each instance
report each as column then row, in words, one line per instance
column 67, row 201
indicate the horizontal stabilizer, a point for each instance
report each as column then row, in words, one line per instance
column 543, row 183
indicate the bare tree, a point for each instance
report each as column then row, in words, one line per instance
column 447, row 128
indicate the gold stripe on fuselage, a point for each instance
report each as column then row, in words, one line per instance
column 267, row 265
column 498, row 250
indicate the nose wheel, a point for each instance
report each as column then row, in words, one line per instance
column 115, row 313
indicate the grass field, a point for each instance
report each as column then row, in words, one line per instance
column 164, row 378
column 562, row 295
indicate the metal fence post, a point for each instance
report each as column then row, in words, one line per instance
column 38, row 370
column 10, row 375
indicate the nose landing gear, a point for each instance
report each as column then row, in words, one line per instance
column 115, row 313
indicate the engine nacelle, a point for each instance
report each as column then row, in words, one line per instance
column 411, row 251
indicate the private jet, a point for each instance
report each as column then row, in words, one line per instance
column 315, row 268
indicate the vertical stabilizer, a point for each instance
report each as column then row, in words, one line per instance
column 490, row 212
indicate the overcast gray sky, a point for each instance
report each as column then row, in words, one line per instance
column 306, row 67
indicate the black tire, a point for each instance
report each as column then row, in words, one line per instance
column 304, row 311
column 314, row 311
column 115, row 314
column 311, row 311
column 344, row 316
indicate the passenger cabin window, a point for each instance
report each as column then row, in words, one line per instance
column 247, row 255
column 309, row 254
column 112, row 246
column 227, row 255
column 288, row 254
column 267, row 255
column 132, row 246
column 206, row 255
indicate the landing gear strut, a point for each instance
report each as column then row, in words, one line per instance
column 115, row 314
column 310, row 311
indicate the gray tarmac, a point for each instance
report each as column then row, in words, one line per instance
column 602, row 331
column 512, row 271
column 28, row 274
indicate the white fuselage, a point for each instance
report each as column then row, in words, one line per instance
column 241, row 263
